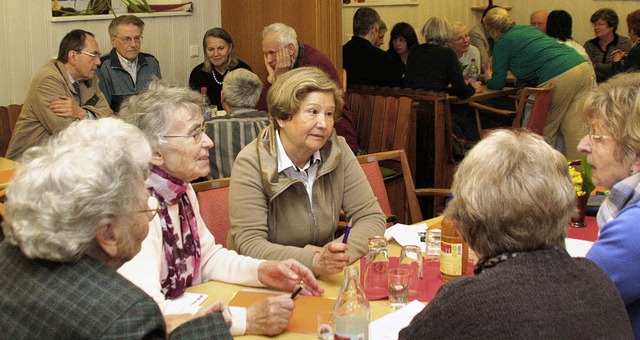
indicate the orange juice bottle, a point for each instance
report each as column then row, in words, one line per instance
column 454, row 252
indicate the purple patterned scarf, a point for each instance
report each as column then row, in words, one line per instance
column 181, row 265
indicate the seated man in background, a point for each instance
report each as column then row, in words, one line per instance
column 282, row 53
column 538, row 19
column 364, row 62
column 126, row 71
column 77, row 210
column 62, row 91
column 231, row 132
column 382, row 30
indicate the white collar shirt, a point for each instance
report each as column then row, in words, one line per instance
column 307, row 174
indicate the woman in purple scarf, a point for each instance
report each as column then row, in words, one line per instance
column 180, row 251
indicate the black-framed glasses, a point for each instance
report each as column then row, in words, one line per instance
column 127, row 40
column 197, row 135
column 95, row 55
column 154, row 207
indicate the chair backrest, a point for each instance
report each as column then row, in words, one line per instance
column 398, row 192
column 213, row 197
column 374, row 176
column 539, row 109
column 384, row 122
column 8, row 118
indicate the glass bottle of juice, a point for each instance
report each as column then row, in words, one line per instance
column 454, row 252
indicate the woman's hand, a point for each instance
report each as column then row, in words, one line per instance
column 174, row 321
column 331, row 259
column 618, row 55
column 270, row 316
column 287, row 275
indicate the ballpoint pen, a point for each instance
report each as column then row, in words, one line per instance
column 293, row 296
column 346, row 233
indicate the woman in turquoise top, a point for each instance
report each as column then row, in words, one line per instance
column 536, row 58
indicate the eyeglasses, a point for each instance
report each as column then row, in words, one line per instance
column 597, row 138
column 197, row 135
column 154, row 207
column 128, row 40
column 95, row 55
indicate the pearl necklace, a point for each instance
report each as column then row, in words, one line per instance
column 213, row 72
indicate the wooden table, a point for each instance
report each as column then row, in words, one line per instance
column 225, row 291
column 485, row 94
column 7, row 168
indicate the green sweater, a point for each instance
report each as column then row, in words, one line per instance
column 531, row 56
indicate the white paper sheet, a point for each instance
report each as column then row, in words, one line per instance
column 577, row 248
column 388, row 326
column 407, row 234
column 186, row 303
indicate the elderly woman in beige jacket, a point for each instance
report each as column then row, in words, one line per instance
column 288, row 186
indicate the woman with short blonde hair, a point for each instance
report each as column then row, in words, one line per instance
column 612, row 114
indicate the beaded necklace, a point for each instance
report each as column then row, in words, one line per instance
column 213, row 72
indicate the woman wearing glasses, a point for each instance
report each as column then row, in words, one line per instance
column 612, row 112
column 179, row 250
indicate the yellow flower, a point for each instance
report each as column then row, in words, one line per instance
column 576, row 179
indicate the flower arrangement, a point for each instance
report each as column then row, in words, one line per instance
column 581, row 178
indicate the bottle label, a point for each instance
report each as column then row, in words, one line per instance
column 451, row 258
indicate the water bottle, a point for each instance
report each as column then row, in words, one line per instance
column 474, row 72
column 351, row 313
column 207, row 104
column 376, row 271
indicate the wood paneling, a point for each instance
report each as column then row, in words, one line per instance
column 318, row 23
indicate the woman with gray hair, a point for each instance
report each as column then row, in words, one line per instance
column 180, row 251
column 288, row 185
column 434, row 66
column 77, row 210
column 513, row 197
column 534, row 57
column 219, row 59
column 612, row 146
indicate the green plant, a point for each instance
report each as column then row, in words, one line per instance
column 138, row 6
column 94, row 7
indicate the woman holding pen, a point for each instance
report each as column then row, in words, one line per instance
column 288, row 185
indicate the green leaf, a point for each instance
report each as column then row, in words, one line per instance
column 587, row 184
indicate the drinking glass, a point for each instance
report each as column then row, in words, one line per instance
column 411, row 260
column 398, row 287
column 325, row 325
column 376, row 275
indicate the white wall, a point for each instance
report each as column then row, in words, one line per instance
column 29, row 39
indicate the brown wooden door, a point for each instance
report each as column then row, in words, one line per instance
column 318, row 23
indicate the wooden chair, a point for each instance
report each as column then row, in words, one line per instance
column 396, row 194
column 8, row 118
column 384, row 123
column 213, row 197
column 538, row 114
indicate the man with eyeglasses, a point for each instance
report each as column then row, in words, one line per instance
column 126, row 71
column 62, row 91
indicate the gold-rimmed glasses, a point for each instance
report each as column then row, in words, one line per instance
column 596, row 138
column 95, row 55
column 154, row 207
column 197, row 135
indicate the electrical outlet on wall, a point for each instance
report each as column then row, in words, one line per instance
column 193, row 51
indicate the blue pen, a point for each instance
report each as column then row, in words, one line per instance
column 346, row 233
